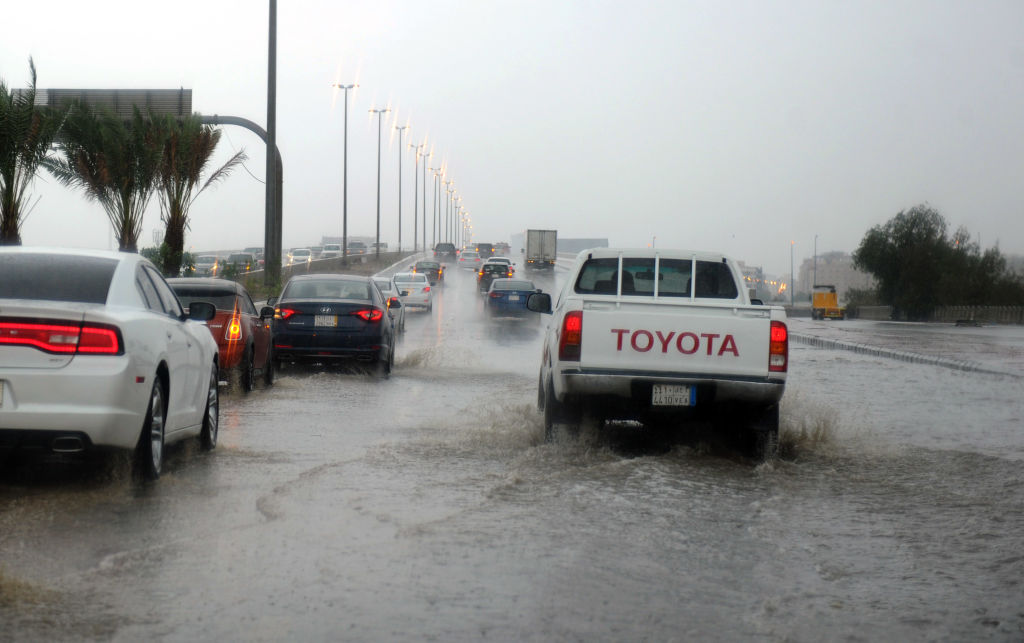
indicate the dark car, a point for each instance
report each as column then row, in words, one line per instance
column 445, row 250
column 486, row 250
column 432, row 269
column 333, row 319
column 242, row 333
column 508, row 297
column 489, row 272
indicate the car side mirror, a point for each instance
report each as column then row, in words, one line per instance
column 405, row 293
column 539, row 302
column 267, row 312
column 201, row 311
column 272, row 301
column 756, row 302
column 395, row 302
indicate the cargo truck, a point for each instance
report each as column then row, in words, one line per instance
column 541, row 249
column 825, row 303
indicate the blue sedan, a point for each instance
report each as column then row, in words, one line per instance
column 508, row 296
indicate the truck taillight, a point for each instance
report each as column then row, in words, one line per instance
column 63, row 338
column 572, row 336
column 778, row 348
column 234, row 330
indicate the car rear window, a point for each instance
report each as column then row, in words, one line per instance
column 56, row 277
column 600, row 277
column 219, row 297
column 405, row 279
column 513, row 284
column 327, row 289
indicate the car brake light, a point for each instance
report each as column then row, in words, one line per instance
column 495, row 295
column 234, row 330
column 369, row 315
column 778, row 348
column 427, row 289
column 284, row 313
column 62, row 338
column 572, row 336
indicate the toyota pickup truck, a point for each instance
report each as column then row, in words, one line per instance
column 662, row 337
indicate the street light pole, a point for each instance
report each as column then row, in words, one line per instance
column 401, row 130
column 792, row 284
column 815, row 262
column 435, row 184
column 379, row 113
column 415, row 197
column 344, row 180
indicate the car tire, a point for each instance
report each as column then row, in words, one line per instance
column 268, row 369
column 149, row 452
column 247, row 372
column 763, row 436
column 382, row 369
column 211, row 417
column 556, row 412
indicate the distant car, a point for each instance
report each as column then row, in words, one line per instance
column 300, row 256
column 486, row 250
column 357, row 248
column 96, row 353
column 489, row 272
column 432, row 269
column 242, row 333
column 316, row 251
column 504, row 260
column 333, row 319
column 445, row 249
column 414, row 289
column 383, row 247
column 508, row 297
column 331, row 250
column 390, row 292
column 470, row 259
column 257, row 251
column 242, row 261
column 206, row 266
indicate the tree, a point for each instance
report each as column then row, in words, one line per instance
column 918, row 268
column 115, row 162
column 26, row 133
column 187, row 151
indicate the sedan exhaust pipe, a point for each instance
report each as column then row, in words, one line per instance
column 67, row 444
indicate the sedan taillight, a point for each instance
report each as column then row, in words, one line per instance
column 92, row 339
column 284, row 313
column 369, row 315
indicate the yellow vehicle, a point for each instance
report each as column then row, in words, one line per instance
column 825, row 303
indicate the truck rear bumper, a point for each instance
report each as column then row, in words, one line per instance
column 637, row 386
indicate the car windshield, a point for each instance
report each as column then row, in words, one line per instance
column 222, row 298
column 470, row 254
column 406, row 278
column 327, row 289
column 56, row 277
column 427, row 265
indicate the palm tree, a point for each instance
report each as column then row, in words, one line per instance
column 116, row 163
column 187, row 151
column 26, row 133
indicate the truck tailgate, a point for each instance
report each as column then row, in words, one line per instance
column 685, row 339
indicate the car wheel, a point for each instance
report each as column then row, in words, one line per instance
column 556, row 412
column 149, row 453
column 248, row 369
column 211, row 418
column 763, row 435
column 268, row 369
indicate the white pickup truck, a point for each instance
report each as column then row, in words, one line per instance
column 663, row 337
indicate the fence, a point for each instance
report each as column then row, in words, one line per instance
column 952, row 314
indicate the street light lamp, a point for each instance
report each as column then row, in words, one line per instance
column 401, row 130
column 379, row 113
column 344, row 180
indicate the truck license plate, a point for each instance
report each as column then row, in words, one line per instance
column 325, row 320
column 673, row 395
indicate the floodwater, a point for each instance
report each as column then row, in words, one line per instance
column 428, row 507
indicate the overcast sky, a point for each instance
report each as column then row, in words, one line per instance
column 733, row 126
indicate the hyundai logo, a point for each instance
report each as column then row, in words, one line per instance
column 325, row 309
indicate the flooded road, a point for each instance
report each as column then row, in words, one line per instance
column 428, row 507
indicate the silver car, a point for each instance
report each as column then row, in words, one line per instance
column 96, row 352
column 390, row 291
column 414, row 289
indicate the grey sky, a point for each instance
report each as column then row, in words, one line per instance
column 736, row 126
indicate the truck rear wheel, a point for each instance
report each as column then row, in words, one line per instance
column 555, row 412
column 763, row 438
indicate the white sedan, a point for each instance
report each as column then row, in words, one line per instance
column 414, row 289
column 96, row 352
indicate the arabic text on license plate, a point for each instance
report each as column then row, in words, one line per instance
column 673, row 395
column 513, row 297
column 325, row 320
